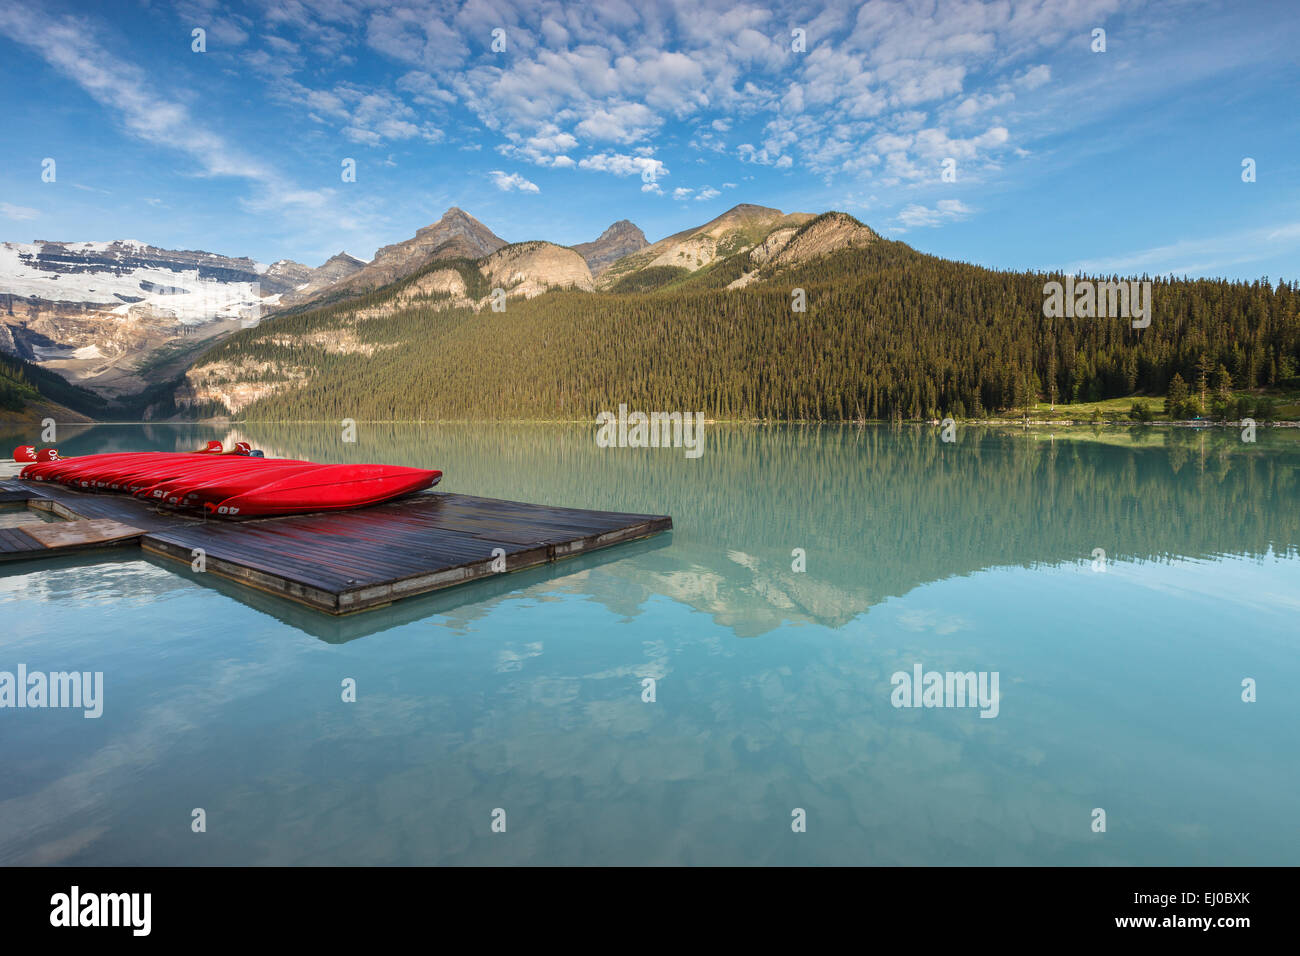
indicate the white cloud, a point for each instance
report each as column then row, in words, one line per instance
column 623, row 123
column 281, row 45
column 156, row 110
column 1035, row 76
column 915, row 215
column 682, row 192
column 123, row 88
column 762, row 157
column 615, row 73
column 424, row 89
column 367, row 116
column 415, row 34
column 980, row 102
column 708, row 192
column 18, row 213
column 621, row 164
column 512, row 181
column 544, row 148
column 708, row 140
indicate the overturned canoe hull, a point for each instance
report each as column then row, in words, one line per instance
column 328, row 488
column 235, row 486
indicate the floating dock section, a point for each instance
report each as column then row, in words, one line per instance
column 337, row 562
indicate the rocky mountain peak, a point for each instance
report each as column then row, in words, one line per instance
column 342, row 259
column 463, row 235
column 620, row 239
column 623, row 227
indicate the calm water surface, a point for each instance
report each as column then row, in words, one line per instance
column 1120, row 689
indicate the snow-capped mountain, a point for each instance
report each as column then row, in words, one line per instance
column 100, row 312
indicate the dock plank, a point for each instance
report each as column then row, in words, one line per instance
column 72, row 534
column 13, row 541
column 340, row 562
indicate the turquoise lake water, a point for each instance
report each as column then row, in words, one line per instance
column 1120, row 682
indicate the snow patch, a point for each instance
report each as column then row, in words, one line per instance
column 185, row 297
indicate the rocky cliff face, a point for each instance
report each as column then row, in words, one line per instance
column 787, row 247
column 287, row 274
column 619, row 240
column 456, row 235
column 336, row 269
column 439, row 289
column 526, row 269
column 531, row 268
column 737, row 230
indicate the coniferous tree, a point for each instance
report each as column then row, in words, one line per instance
column 1223, row 383
column 1202, row 379
column 1176, row 399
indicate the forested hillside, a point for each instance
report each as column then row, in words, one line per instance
column 888, row 333
column 26, row 387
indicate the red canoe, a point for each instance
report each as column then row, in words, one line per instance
column 328, row 488
column 192, row 491
column 136, row 475
column 235, row 485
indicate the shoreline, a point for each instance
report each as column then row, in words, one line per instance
column 931, row 422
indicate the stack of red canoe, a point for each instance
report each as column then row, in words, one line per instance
column 235, row 485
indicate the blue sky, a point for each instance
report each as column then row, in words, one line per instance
column 667, row 114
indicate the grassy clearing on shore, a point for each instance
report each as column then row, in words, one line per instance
column 1286, row 408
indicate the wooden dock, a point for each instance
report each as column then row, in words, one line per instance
column 337, row 562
